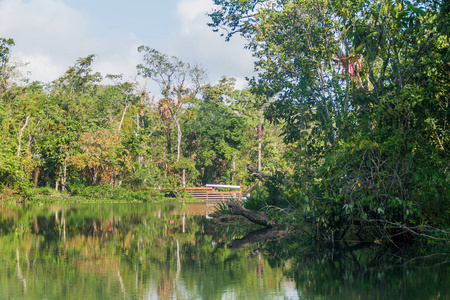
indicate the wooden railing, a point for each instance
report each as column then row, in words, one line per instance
column 210, row 194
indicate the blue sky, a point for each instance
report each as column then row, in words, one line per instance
column 51, row 34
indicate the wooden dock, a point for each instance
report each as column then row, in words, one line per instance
column 210, row 194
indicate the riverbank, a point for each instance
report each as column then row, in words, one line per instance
column 101, row 194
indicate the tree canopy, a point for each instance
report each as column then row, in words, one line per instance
column 361, row 88
column 347, row 119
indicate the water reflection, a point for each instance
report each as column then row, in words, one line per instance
column 170, row 251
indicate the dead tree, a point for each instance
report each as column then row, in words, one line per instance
column 257, row 217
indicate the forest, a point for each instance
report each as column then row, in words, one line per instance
column 346, row 123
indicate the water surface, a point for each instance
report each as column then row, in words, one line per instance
column 171, row 251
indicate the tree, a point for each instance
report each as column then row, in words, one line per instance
column 99, row 154
column 20, row 127
column 360, row 87
column 179, row 83
column 6, row 69
column 216, row 134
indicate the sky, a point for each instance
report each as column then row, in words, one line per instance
column 50, row 35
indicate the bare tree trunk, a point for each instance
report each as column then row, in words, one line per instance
column 31, row 138
column 179, row 137
column 123, row 116
column 19, row 135
column 169, row 140
column 260, row 133
column 95, row 176
column 257, row 217
column 138, row 127
column 64, row 176
column 36, row 172
column 259, row 156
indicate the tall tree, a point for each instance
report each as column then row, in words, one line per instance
column 361, row 85
column 179, row 83
column 216, row 134
column 6, row 68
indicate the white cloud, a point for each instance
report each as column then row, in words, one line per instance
column 197, row 41
column 51, row 36
column 46, row 30
column 190, row 11
column 43, row 67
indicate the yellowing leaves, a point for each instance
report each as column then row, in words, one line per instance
column 99, row 153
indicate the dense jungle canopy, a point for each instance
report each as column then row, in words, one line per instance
column 347, row 120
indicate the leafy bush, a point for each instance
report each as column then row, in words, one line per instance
column 221, row 208
column 258, row 199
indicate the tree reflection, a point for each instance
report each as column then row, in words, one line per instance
column 257, row 236
column 160, row 251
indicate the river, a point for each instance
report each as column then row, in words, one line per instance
column 171, row 251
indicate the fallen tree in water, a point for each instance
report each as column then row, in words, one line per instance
column 257, row 217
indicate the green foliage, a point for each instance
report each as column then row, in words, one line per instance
column 14, row 180
column 215, row 136
column 258, row 199
column 348, row 119
column 362, row 91
column 221, row 208
column 86, row 130
column 116, row 194
column 6, row 68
